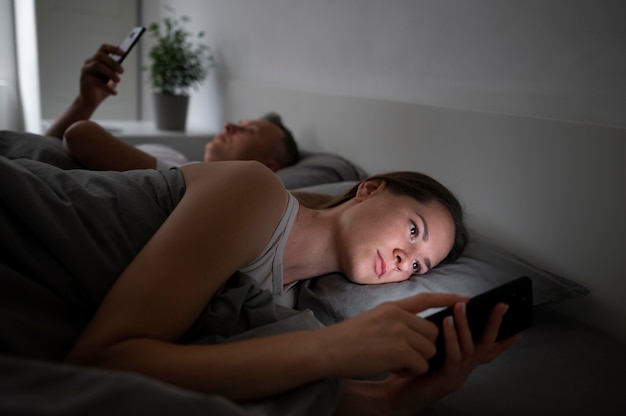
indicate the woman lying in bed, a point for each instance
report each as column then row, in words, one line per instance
column 236, row 217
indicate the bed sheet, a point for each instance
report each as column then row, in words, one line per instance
column 66, row 235
column 560, row 367
column 33, row 387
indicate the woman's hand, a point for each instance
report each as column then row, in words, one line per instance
column 408, row 394
column 390, row 337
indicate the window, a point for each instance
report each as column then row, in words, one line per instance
column 69, row 32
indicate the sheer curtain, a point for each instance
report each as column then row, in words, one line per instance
column 20, row 108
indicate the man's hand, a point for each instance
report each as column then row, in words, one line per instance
column 99, row 76
column 98, row 79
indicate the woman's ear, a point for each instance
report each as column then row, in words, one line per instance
column 368, row 188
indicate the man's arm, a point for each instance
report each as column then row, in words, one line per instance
column 98, row 79
column 97, row 149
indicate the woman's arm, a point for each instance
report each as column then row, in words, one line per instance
column 137, row 333
column 227, row 215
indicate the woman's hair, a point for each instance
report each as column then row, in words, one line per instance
column 418, row 186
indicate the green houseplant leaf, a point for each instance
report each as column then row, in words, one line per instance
column 179, row 61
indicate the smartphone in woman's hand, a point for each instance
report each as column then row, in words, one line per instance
column 518, row 294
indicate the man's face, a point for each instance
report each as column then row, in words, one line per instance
column 249, row 140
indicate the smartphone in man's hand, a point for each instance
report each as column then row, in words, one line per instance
column 128, row 43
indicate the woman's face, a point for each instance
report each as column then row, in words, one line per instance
column 387, row 237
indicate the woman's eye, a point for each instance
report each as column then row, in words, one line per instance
column 414, row 230
column 416, row 266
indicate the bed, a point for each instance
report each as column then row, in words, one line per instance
column 561, row 365
column 551, row 191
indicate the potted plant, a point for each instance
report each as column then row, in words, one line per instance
column 177, row 65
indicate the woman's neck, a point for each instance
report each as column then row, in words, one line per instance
column 311, row 247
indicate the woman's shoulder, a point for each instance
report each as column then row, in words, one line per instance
column 246, row 179
column 233, row 199
column 237, row 171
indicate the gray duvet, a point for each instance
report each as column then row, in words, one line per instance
column 66, row 236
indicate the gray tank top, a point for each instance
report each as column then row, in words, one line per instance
column 267, row 269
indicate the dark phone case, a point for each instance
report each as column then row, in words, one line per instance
column 127, row 45
column 130, row 41
column 518, row 294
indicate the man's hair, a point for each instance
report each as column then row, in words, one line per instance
column 291, row 155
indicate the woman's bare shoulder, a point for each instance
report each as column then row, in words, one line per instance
column 233, row 201
column 236, row 176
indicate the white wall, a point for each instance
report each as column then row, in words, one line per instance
column 550, row 191
column 561, row 59
column 69, row 32
column 205, row 110
column 518, row 106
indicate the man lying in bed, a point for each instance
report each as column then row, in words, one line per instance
column 266, row 140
